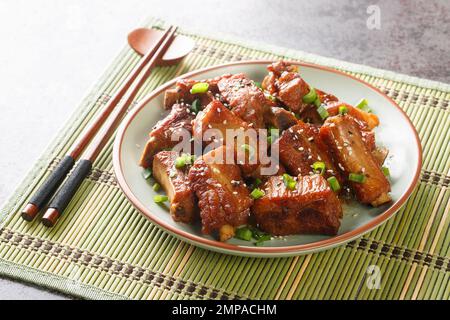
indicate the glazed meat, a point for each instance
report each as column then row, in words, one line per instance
column 160, row 138
column 222, row 195
column 244, row 98
column 312, row 207
column 366, row 121
column 279, row 118
column 175, row 183
column 274, row 157
column 309, row 113
column 343, row 137
column 216, row 116
column 181, row 93
column 300, row 147
column 287, row 85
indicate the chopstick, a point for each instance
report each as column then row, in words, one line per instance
column 62, row 198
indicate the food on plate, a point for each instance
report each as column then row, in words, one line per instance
column 171, row 170
column 270, row 159
column 310, row 206
column 223, row 197
column 355, row 160
column 303, row 151
column 161, row 136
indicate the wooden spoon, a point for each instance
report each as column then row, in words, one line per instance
column 142, row 39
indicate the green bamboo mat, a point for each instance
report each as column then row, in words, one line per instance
column 103, row 248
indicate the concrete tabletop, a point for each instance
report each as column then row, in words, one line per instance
column 53, row 51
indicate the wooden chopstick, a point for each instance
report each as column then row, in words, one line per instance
column 48, row 188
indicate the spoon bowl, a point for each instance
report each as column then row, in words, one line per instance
column 142, row 39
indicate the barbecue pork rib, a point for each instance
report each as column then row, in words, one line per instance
column 311, row 208
column 300, row 147
column 175, row 183
column 160, row 138
column 244, row 98
column 349, row 151
column 223, row 197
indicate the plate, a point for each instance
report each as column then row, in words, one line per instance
column 395, row 132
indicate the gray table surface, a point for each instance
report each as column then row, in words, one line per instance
column 52, row 51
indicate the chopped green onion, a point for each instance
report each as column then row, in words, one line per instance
column 257, row 193
column 289, row 182
column 317, row 102
column 364, row 105
column 269, row 96
column 356, row 177
column 195, row 106
column 147, row 173
column 319, row 166
column 248, row 149
column 257, row 233
column 310, row 97
column 334, row 184
column 200, row 87
column 257, row 182
column 180, row 162
column 274, row 133
column 258, row 84
column 260, row 237
column 386, row 171
column 184, row 160
column 323, row 112
column 343, row 110
column 156, row 187
column 244, row 233
column 160, row 199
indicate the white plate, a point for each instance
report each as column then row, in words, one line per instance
column 395, row 132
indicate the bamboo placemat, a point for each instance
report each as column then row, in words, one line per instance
column 103, row 248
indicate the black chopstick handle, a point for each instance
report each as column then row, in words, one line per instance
column 66, row 192
column 48, row 188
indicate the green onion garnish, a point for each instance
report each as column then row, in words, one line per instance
column 156, row 187
column 357, row 177
column 364, row 105
column 258, row 84
column 248, row 149
column 310, row 97
column 261, row 239
column 334, row 184
column 257, row 193
column 269, row 96
column 319, row 166
column 257, row 182
column 343, row 110
column 180, row 162
column 147, row 173
column 323, row 112
column 289, row 182
column 317, row 102
column 184, row 160
column 386, row 171
column 200, row 87
column 243, row 233
column 195, row 106
column 274, row 133
column 160, row 199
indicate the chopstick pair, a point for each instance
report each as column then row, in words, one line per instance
column 107, row 120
